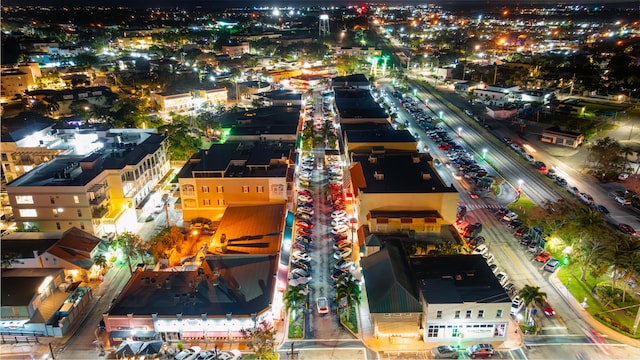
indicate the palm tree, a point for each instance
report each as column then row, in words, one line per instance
column 530, row 295
column 100, row 260
column 130, row 245
column 348, row 290
column 622, row 255
column 293, row 298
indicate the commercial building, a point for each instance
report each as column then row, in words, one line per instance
column 235, row 173
column 99, row 187
column 96, row 95
column 358, row 81
column 229, row 286
column 236, row 49
column 357, row 106
column 15, row 81
column 435, row 298
column 554, row 135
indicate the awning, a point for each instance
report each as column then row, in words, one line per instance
column 123, row 334
column 399, row 328
column 217, row 334
column 193, row 334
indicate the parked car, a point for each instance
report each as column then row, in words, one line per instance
column 516, row 305
column 602, row 210
column 543, row 256
column 529, row 158
column 480, row 351
column 188, row 354
column 623, row 176
column 444, row 352
column 542, row 167
column 510, row 216
column 515, row 224
column 521, row 231
column 551, row 265
column 622, row 200
column 585, row 198
column 502, row 278
column 627, row 229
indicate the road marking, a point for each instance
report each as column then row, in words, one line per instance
column 515, row 261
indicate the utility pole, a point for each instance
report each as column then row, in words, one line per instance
column 573, row 81
column 495, row 73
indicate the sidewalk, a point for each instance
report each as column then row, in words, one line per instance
column 584, row 315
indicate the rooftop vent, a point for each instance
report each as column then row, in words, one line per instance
column 458, row 277
column 416, row 159
column 378, row 176
column 373, row 159
column 426, row 176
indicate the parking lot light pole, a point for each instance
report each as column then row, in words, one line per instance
column 484, row 154
column 520, row 182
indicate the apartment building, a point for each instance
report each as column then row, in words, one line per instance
column 15, row 81
column 100, row 192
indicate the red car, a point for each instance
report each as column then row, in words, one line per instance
column 547, row 309
column 627, row 229
column 543, row 256
column 303, row 224
column 444, row 146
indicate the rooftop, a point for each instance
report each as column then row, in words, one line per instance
column 457, row 279
column 236, row 159
column 283, row 95
column 399, row 172
column 270, row 120
column 352, row 78
column 358, row 103
column 113, row 154
column 379, row 135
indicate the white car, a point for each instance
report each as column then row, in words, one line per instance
column 300, row 256
column 481, row 250
column 502, row 278
column 299, row 281
column 339, row 213
column 188, row 354
column 323, row 305
column 342, row 254
column 516, row 305
column 623, row 201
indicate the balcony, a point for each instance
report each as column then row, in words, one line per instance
column 99, row 212
column 98, row 199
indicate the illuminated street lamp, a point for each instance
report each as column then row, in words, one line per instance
column 459, row 131
column 520, row 182
column 440, row 113
column 484, row 154
column 415, row 91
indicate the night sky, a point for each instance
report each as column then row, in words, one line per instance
column 283, row 3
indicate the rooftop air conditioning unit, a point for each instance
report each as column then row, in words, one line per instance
column 378, row 176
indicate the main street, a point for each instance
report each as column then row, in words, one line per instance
column 511, row 257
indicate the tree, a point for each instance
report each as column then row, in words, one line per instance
column 348, row 290
column 293, row 298
column 587, row 250
column 261, row 339
column 530, row 295
column 623, row 255
column 447, row 248
column 131, row 246
column 9, row 258
column 552, row 216
column 100, row 260
column 167, row 239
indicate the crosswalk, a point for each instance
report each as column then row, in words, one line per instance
column 482, row 206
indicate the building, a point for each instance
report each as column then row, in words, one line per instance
column 100, row 188
column 229, row 286
column 435, row 298
column 233, row 174
column 41, row 302
column 271, row 123
column 461, row 298
column 501, row 113
column 491, row 97
column 15, row 81
column 134, row 42
column 72, row 250
column 535, row 96
column 276, row 76
column 358, row 81
column 400, row 191
column 363, row 52
column 357, row 106
column 190, row 100
column 236, row 49
column 358, row 138
column 281, row 98
column 27, row 147
column 96, row 95
column 571, row 107
column 463, row 87
column 554, row 135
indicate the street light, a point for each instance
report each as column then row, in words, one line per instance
column 520, row 182
column 484, row 154
column 459, row 131
column 440, row 113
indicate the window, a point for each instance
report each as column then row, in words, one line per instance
column 76, row 199
column 245, row 189
column 28, row 213
column 205, row 189
column 82, row 225
column 499, row 313
column 480, row 313
column 439, row 314
column 55, row 212
column 79, row 213
column 468, row 314
column 220, row 188
column 433, row 331
column 24, row 199
column 457, row 315
column 260, row 189
column 52, row 199
column 58, row 225
column 221, row 202
column 4, row 157
column 206, row 202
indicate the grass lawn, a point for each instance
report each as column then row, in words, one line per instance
column 295, row 327
column 352, row 322
column 522, row 206
column 570, row 275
